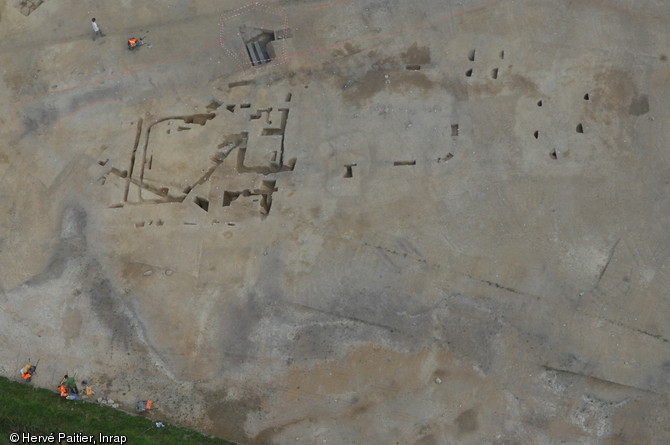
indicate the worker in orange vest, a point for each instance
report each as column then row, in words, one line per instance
column 28, row 371
column 63, row 391
column 144, row 405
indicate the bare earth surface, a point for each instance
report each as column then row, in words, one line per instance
column 424, row 222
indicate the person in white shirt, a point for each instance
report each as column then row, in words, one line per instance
column 96, row 29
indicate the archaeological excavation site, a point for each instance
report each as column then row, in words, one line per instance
column 369, row 222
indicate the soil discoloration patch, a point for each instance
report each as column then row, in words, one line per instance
column 614, row 94
column 639, row 105
column 416, row 55
column 374, row 82
column 515, row 82
column 107, row 305
column 347, row 50
column 455, row 87
column 357, row 386
column 467, row 421
column 28, row 6
column 427, row 440
column 365, row 88
column 235, row 413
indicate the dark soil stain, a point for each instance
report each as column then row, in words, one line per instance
column 455, row 87
column 42, row 117
column 71, row 247
column 417, row 80
column 513, row 83
column 614, row 94
column 90, row 96
column 107, row 304
column 265, row 436
column 522, row 83
column 365, row 88
column 416, row 55
column 639, row 105
column 105, row 299
column 467, row 421
column 240, row 321
column 229, row 417
column 347, row 50
column 427, row 440
column 360, row 408
column 375, row 81
column 351, row 49
column 315, row 342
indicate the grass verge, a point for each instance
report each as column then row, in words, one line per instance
column 26, row 409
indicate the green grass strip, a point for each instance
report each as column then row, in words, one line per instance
column 37, row 411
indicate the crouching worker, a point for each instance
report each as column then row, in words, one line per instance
column 27, row 372
column 70, row 384
column 144, row 405
column 62, row 390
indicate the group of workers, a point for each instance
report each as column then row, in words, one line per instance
column 133, row 42
column 68, row 388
